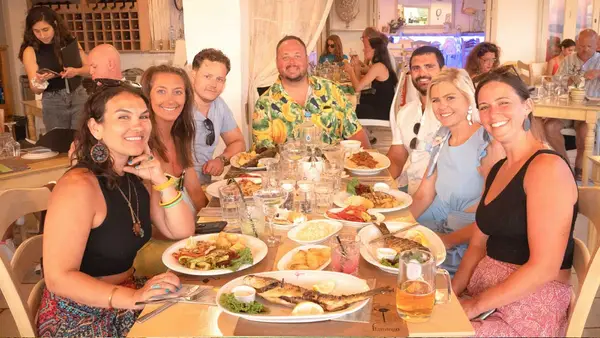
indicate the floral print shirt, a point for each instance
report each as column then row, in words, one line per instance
column 277, row 116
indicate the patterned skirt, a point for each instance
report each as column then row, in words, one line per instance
column 62, row 317
column 540, row 314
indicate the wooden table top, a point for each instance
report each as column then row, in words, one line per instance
column 203, row 320
column 36, row 166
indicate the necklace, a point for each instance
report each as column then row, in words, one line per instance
column 137, row 225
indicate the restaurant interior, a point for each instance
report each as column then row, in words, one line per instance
column 347, row 191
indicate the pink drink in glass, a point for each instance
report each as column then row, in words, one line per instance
column 345, row 263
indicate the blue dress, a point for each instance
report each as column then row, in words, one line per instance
column 330, row 58
column 458, row 186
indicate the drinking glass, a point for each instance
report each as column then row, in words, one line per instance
column 323, row 196
column 290, row 187
column 271, row 177
column 305, row 197
column 345, row 257
column 270, row 200
column 334, row 153
column 230, row 199
column 415, row 291
column 252, row 219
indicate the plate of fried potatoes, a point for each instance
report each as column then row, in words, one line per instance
column 306, row 257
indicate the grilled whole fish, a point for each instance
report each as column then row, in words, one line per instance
column 399, row 244
column 287, row 294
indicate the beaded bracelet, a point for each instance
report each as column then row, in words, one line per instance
column 164, row 185
column 165, row 204
column 175, row 202
column 110, row 297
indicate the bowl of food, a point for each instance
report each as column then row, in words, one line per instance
column 315, row 231
column 306, row 257
column 366, row 163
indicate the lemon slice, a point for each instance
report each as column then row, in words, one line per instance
column 307, row 309
column 417, row 236
column 324, row 287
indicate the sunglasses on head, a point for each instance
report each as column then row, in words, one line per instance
column 104, row 83
column 502, row 70
column 210, row 138
column 414, row 141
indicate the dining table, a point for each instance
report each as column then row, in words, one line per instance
column 22, row 173
column 192, row 319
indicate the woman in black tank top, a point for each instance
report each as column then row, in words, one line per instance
column 100, row 215
column 381, row 77
column 520, row 255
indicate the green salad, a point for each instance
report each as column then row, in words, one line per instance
column 244, row 257
column 229, row 302
column 387, row 262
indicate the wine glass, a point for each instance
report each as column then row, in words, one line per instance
column 271, row 199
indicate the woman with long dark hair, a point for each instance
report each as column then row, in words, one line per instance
column 333, row 52
column 171, row 104
column 383, row 81
column 45, row 42
column 99, row 216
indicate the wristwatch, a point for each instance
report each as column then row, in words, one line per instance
column 223, row 159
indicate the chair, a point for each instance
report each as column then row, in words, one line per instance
column 536, row 71
column 525, row 72
column 23, row 310
column 586, row 268
column 15, row 203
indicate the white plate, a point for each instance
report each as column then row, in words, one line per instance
column 344, row 284
column 361, row 171
column 371, row 232
column 380, row 218
column 39, row 154
column 593, row 99
column 259, row 251
column 284, row 261
column 213, row 188
column 404, row 198
column 294, row 232
column 234, row 163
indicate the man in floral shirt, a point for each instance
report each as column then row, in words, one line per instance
column 280, row 110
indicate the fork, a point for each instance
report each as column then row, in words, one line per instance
column 165, row 306
column 192, row 291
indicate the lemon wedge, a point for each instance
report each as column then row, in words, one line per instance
column 417, row 236
column 307, row 309
column 324, row 287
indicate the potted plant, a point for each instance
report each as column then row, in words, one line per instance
column 395, row 25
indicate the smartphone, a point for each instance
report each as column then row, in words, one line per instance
column 47, row 71
column 210, row 227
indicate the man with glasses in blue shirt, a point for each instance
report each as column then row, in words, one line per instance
column 212, row 116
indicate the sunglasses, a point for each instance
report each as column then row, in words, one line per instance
column 104, row 83
column 502, row 70
column 414, row 141
column 331, row 46
column 179, row 185
column 210, row 138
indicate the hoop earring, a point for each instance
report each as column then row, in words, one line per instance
column 527, row 123
column 99, row 152
column 470, row 115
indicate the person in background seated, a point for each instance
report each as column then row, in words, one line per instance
column 521, row 251
column 45, row 36
column 414, row 125
column 171, row 103
column 212, row 116
column 567, row 47
column 333, row 52
column 105, row 63
column 587, row 61
column 104, row 208
column 382, row 79
column 483, row 58
column 295, row 94
column 447, row 197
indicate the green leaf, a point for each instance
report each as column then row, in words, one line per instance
column 228, row 301
column 245, row 257
column 351, row 186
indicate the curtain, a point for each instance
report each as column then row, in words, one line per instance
column 161, row 24
column 271, row 20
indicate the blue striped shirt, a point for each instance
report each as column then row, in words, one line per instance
column 573, row 64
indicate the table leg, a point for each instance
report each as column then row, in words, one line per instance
column 590, row 139
column 31, row 126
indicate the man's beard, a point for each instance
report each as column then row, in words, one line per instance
column 415, row 83
column 297, row 78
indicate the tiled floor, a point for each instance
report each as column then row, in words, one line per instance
column 8, row 327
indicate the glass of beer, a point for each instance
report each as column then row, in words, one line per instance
column 415, row 292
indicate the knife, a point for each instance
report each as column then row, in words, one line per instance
column 393, row 234
column 192, row 291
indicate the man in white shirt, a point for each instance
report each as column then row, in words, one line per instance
column 414, row 125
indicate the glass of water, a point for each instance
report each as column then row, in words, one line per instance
column 305, row 197
column 231, row 200
column 323, row 196
column 271, row 199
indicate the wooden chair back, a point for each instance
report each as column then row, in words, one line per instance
column 536, row 71
column 524, row 70
column 15, row 203
column 23, row 309
column 587, row 267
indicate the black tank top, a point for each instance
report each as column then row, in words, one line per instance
column 112, row 246
column 504, row 219
column 46, row 58
column 381, row 101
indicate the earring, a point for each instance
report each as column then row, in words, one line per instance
column 99, row 152
column 527, row 123
column 470, row 115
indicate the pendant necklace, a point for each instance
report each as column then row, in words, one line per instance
column 137, row 225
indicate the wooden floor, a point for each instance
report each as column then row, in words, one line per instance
column 8, row 328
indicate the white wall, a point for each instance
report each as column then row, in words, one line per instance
column 14, row 24
column 350, row 36
column 223, row 25
column 144, row 60
column 515, row 29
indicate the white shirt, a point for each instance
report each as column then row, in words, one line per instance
column 403, row 132
column 572, row 64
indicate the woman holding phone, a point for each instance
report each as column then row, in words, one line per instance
column 120, row 190
column 44, row 48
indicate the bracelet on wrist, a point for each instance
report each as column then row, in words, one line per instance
column 173, row 201
column 160, row 187
column 110, row 297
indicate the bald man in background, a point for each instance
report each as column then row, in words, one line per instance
column 105, row 63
